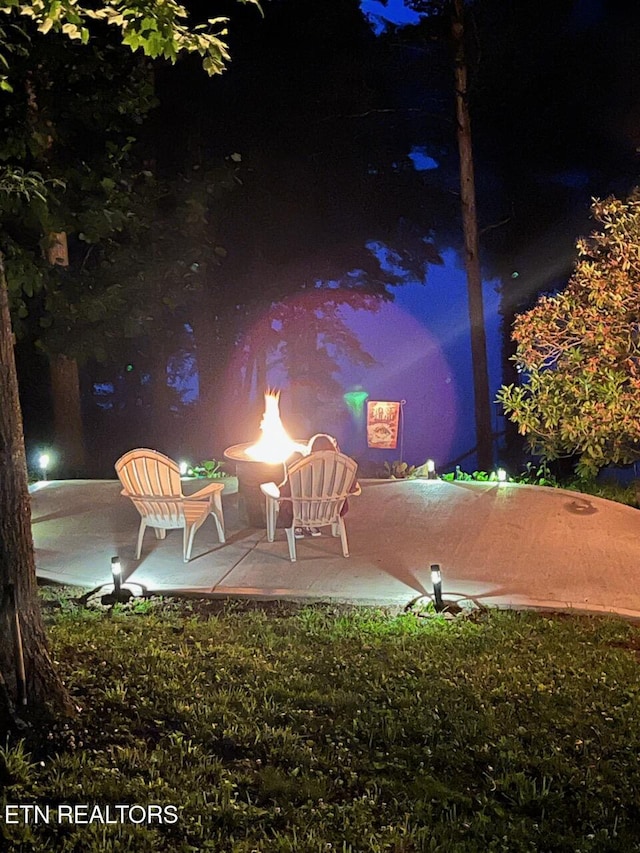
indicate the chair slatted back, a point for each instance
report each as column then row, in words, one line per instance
column 147, row 472
column 152, row 481
column 168, row 512
column 320, row 484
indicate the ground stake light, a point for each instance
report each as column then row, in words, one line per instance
column 436, row 580
column 501, row 474
column 431, row 470
column 116, row 571
column 43, row 462
column 184, row 468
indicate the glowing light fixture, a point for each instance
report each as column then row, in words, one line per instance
column 355, row 400
column 436, row 580
column 184, row 468
column 116, row 572
column 44, row 461
column 431, row 470
column 501, row 475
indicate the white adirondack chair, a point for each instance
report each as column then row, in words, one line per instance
column 320, row 483
column 152, row 481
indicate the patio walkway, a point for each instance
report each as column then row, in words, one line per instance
column 502, row 544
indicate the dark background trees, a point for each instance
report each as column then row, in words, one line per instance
column 322, row 114
column 305, row 134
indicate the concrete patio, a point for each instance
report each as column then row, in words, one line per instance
column 507, row 545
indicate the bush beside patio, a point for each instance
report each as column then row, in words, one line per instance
column 319, row 728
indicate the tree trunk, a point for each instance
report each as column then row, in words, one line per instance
column 214, row 350
column 484, row 446
column 67, row 414
column 65, row 387
column 162, row 424
column 17, row 565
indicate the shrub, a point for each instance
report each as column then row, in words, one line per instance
column 579, row 351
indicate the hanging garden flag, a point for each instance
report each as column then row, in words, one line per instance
column 382, row 424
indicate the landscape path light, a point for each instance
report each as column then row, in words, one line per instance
column 436, row 580
column 184, row 468
column 431, row 470
column 501, row 474
column 43, row 462
column 116, row 572
column 119, row 594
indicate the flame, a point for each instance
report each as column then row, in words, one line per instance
column 274, row 445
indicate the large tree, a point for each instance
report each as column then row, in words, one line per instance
column 480, row 364
column 447, row 20
column 26, row 669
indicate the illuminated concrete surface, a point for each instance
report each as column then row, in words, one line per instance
column 501, row 544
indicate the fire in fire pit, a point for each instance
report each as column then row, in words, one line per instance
column 274, row 445
column 263, row 461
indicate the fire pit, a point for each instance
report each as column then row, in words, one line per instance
column 263, row 461
column 251, row 473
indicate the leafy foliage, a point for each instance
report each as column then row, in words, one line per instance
column 399, row 470
column 579, row 351
column 209, row 468
column 31, row 186
column 608, row 489
column 477, row 476
column 159, row 30
column 308, row 729
column 78, row 136
column 540, row 475
column 141, row 247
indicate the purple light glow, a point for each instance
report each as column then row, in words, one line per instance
column 413, row 367
column 422, row 353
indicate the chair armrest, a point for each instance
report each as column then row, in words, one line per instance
column 357, row 489
column 209, row 489
column 270, row 490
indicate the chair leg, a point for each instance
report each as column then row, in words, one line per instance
column 143, row 525
column 160, row 532
column 218, row 517
column 343, row 537
column 335, row 529
column 291, row 540
column 270, row 513
column 187, row 540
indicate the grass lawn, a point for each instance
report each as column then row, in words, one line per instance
column 325, row 729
